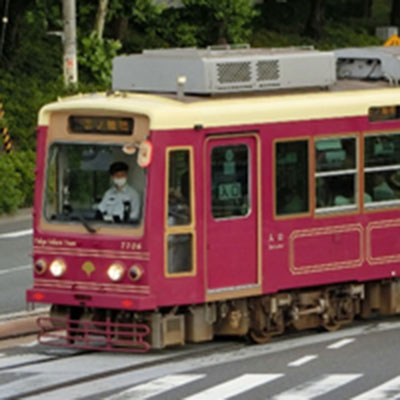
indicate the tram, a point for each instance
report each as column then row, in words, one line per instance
column 267, row 197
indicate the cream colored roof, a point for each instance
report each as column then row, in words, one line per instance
column 167, row 113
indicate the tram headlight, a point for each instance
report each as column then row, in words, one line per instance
column 40, row 266
column 115, row 272
column 135, row 272
column 58, row 268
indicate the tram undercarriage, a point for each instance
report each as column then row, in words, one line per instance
column 260, row 318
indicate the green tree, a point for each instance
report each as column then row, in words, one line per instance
column 95, row 58
column 226, row 21
column 316, row 19
column 395, row 13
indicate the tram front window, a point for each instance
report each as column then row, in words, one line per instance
column 93, row 183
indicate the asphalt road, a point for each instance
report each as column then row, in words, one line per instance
column 359, row 363
column 15, row 262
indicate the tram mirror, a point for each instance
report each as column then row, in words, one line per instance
column 145, row 154
column 129, row 148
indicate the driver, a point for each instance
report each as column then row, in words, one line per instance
column 121, row 202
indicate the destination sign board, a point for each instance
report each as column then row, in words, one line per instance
column 100, row 125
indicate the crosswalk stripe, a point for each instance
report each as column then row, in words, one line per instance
column 341, row 343
column 312, row 389
column 389, row 390
column 156, row 386
column 302, row 360
column 18, row 359
column 234, row 387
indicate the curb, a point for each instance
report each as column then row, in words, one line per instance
column 23, row 214
column 20, row 324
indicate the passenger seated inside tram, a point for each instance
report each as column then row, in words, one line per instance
column 381, row 189
column 121, row 203
column 395, row 183
column 179, row 200
column 292, row 202
column 343, row 191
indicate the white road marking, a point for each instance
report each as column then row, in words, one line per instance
column 14, row 360
column 2, row 355
column 302, row 360
column 390, row 390
column 157, row 386
column 11, row 235
column 234, row 387
column 10, row 270
column 341, row 343
column 315, row 388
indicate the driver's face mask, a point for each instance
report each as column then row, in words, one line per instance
column 119, row 182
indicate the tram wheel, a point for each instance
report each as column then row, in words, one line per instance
column 332, row 326
column 260, row 337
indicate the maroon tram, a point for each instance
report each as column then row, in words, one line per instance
column 272, row 202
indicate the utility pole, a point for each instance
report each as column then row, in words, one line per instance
column 70, row 58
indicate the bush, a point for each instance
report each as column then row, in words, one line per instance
column 24, row 165
column 10, row 182
column 17, row 180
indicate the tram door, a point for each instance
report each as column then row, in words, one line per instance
column 231, row 214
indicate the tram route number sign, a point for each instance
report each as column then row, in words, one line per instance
column 229, row 191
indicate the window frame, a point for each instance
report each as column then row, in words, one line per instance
column 249, row 184
column 180, row 229
column 386, row 204
column 340, row 209
column 76, row 226
column 309, row 177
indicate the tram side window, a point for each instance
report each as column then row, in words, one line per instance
column 180, row 232
column 291, row 179
column 230, row 181
column 179, row 199
column 336, row 173
column 382, row 169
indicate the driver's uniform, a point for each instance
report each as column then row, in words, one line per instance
column 122, row 205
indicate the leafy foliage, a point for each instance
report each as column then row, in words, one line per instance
column 96, row 57
column 225, row 21
column 24, row 165
column 31, row 66
column 16, row 180
column 10, row 182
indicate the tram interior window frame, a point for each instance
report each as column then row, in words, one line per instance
column 179, row 224
column 382, row 170
column 292, row 185
column 336, row 174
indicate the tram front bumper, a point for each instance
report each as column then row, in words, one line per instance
column 91, row 299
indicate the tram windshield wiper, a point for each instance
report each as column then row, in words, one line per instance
column 86, row 224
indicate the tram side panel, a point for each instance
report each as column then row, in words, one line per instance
column 174, row 218
column 320, row 238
